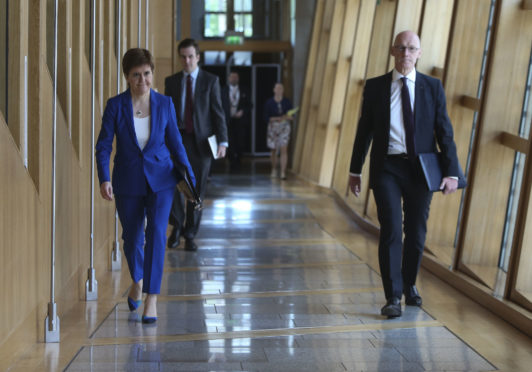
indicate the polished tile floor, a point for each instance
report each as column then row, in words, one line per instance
column 270, row 290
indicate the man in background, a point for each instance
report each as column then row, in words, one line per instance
column 197, row 99
column 237, row 105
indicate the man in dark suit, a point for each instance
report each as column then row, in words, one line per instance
column 404, row 113
column 237, row 106
column 198, row 104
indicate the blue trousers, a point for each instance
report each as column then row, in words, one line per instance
column 145, row 261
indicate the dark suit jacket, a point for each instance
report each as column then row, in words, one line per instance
column 432, row 125
column 244, row 102
column 209, row 116
column 133, row 166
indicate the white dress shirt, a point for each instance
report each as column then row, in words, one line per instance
column 142, row 130
column 234, row 97
column 397, row 143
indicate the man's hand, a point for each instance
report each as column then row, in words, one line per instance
column 106, row 189
column 221, row 152
column 354, row 184
column 239, row 114
column 448, row 185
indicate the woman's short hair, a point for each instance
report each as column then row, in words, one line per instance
column 136, row 57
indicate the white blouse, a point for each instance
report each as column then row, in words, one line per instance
column 142, row 129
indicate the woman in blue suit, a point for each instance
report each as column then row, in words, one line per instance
column 144, row 177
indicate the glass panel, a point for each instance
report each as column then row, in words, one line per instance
column 242, row 58
column 3, row 57
column 517, row 175
column 215, row 6
column 243, row 5
column 244, row 23
column 215, row 25
column 475, row 117
column 214, row 57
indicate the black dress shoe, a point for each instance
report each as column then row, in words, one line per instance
column 190, row 245
column 412, row 297
column 392, row 309
column 173, row 239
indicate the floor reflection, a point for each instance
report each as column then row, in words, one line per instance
column 264, row 264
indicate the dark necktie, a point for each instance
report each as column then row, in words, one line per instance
column 189, row 107
column 408, row 119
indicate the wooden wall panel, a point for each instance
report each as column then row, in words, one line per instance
column 501, row 112
column 434, row 34
column 331, row 130
column 311, row 110
column 162, row 41
column 333, row 93
column 382, row 38
column 462, row 71
column 25, row 248
column 351, row 108
column 407, row 17
column 379, row 55
column 313, row 148
column 302, row 118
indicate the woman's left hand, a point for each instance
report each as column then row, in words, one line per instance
column 106, row 190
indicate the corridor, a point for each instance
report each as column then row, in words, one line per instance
column 283, row 281
column 271, row 289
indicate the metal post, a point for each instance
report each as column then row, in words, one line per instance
column 146, row 23
column 25, row 147
column 91, row 286
column 69, row 112
column 51, row 330
column 140, row 20
column 116, row 258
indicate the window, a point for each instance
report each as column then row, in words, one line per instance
column 517, row 175
column 222, row 15
column 215, row 18
column 3, row 57
column 243, row 16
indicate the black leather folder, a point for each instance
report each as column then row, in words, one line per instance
column 186, row 187
column 432, row 170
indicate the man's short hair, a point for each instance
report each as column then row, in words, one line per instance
column 188, row 43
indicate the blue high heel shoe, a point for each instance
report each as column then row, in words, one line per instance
column 133, row 304
column 149, row 319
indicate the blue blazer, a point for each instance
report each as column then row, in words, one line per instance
column 432, row 125
column 134, row 167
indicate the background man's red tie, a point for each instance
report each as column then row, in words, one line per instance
column 189, row 107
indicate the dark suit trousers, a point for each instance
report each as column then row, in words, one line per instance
column 237, row 137
column 183, row 215
column 401, row 182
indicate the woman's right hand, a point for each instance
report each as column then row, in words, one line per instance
column 106, row 189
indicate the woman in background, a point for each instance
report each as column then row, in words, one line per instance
column 275, row 114
column 144, row 178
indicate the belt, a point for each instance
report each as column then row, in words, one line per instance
column 397, row 156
